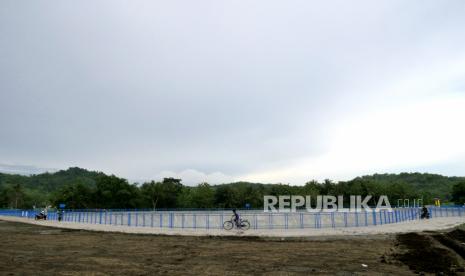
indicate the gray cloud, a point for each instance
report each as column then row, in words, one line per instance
column 146, row 87
column 24, row 169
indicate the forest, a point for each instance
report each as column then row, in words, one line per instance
column 82, row 189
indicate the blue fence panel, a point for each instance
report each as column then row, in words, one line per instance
column 257, row 219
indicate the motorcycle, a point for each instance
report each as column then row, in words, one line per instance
column 424, row 213
column 41, row 216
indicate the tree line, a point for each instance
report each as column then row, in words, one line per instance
column 82, row 189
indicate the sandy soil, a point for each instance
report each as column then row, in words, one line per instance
column 29, row 249
column 36, row 250
column 404, row 227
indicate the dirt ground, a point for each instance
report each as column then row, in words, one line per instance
column 35, row 250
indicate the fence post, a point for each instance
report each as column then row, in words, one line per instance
column 222, row 221
column 270, row 221
column 129, row 219
column 302, row 220
column 374, row 217
column 255, row 221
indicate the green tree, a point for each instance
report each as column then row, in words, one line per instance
column 226, row 197
column 202, row 196
column 151, row 192
column 458, row 193
column 114, row 192
column 76, row 196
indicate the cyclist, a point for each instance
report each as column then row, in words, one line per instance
column 236, row 217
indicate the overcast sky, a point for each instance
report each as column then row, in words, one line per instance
column 219, row 91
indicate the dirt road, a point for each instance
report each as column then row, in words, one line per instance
column 35, row 250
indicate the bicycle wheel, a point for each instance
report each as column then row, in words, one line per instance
column 245, row 225
column 228, row 225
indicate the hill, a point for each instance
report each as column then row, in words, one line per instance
column 80, row 188
column 432, row 185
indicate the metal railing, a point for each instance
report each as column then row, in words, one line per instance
column 211, row 219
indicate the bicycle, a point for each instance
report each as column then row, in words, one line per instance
column 242, row 225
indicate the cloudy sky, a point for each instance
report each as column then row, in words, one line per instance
column 218, row 91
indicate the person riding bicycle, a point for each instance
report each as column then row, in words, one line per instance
column 236, row 217
column 236, row 220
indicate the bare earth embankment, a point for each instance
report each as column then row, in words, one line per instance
column 28, row 249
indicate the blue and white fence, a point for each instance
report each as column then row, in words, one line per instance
column 258, row 219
